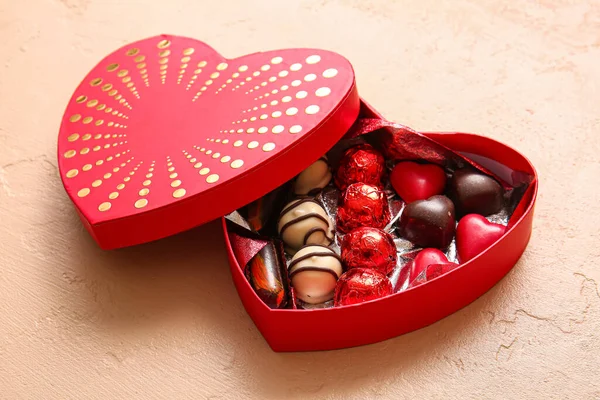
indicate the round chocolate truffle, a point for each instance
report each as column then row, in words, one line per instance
column 304, row 222
column 368, row 247
column 314, row 272
column 475, row 193
column 362, row 205
column 428, row 223
column 361, row 284
column 360, row 163
column 314, row 178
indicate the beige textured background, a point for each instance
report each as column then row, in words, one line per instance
column 163, row 320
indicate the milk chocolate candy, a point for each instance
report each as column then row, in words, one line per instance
column 314, row 178
column 428, row 223
column 267, row 275
column 475, row 193
column 314, row 272
column 303, row 222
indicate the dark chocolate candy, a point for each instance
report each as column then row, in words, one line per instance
column 428, row 223
column 267, row 275
column 475, row 193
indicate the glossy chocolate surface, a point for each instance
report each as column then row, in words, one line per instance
column 475, row 193
column 428, row 223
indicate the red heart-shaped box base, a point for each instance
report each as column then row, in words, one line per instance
column 165, row 134
column 374, row 321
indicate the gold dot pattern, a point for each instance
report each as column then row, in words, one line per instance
column 285, row 90
column 185, row 59
column 142, row 202
column 163, row 61
column 140, row 66
column 85, row 191
column 197, row 72
column 237, row 163
column 111, row 91
column 330, row 73
column 179, row 193
column 290, row 111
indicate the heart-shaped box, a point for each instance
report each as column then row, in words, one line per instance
column 165, row 134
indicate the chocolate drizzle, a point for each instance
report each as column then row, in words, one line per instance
column 311, row 268
column 329, row 253
column 305, row 217
column 303, row 200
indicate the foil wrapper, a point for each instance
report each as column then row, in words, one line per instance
column 362, row 205
column 360, row 163
column 396, row 142
column 368, row 247
column 359, row 285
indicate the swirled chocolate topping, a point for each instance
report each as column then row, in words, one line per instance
column 317, row 287
column 304, row 222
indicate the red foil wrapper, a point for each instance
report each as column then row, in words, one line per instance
column 368, row 247
column 359, row 285
column 361, row 163
column 400, row 142
column 362, row 205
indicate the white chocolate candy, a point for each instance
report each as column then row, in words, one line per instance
column 313, row 178
column 304, row 222
column 314, row 272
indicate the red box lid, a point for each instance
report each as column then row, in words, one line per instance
column 165, row 134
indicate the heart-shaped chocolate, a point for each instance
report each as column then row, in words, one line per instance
column 428, row 223
column 339, row 327
column 474, row 234
column 474, row 192
column 427, row 258
column 413, row 181
column 160, row 129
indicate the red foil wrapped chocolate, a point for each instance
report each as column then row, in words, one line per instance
column 362, row 205
column 361, row 163
column 359, row 285
column 368, row 247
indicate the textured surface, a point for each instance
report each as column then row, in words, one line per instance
column 163, row 320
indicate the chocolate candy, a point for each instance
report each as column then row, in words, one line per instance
column 428, row 223
column 474, row 192
column 368, row 247
column 314, row 272
column 413, row 181
column 359, row 285
column 475, row 234
column 427, row 265
column 362, row 205
column 361, row 163
column 314, row 178
column 304, row 222
column 267, row 275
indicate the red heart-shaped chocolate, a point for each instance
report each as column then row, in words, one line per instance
column 475, row 234
column 413, row 181
column 426, row 258
column 156, row 134
column 339, row 327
